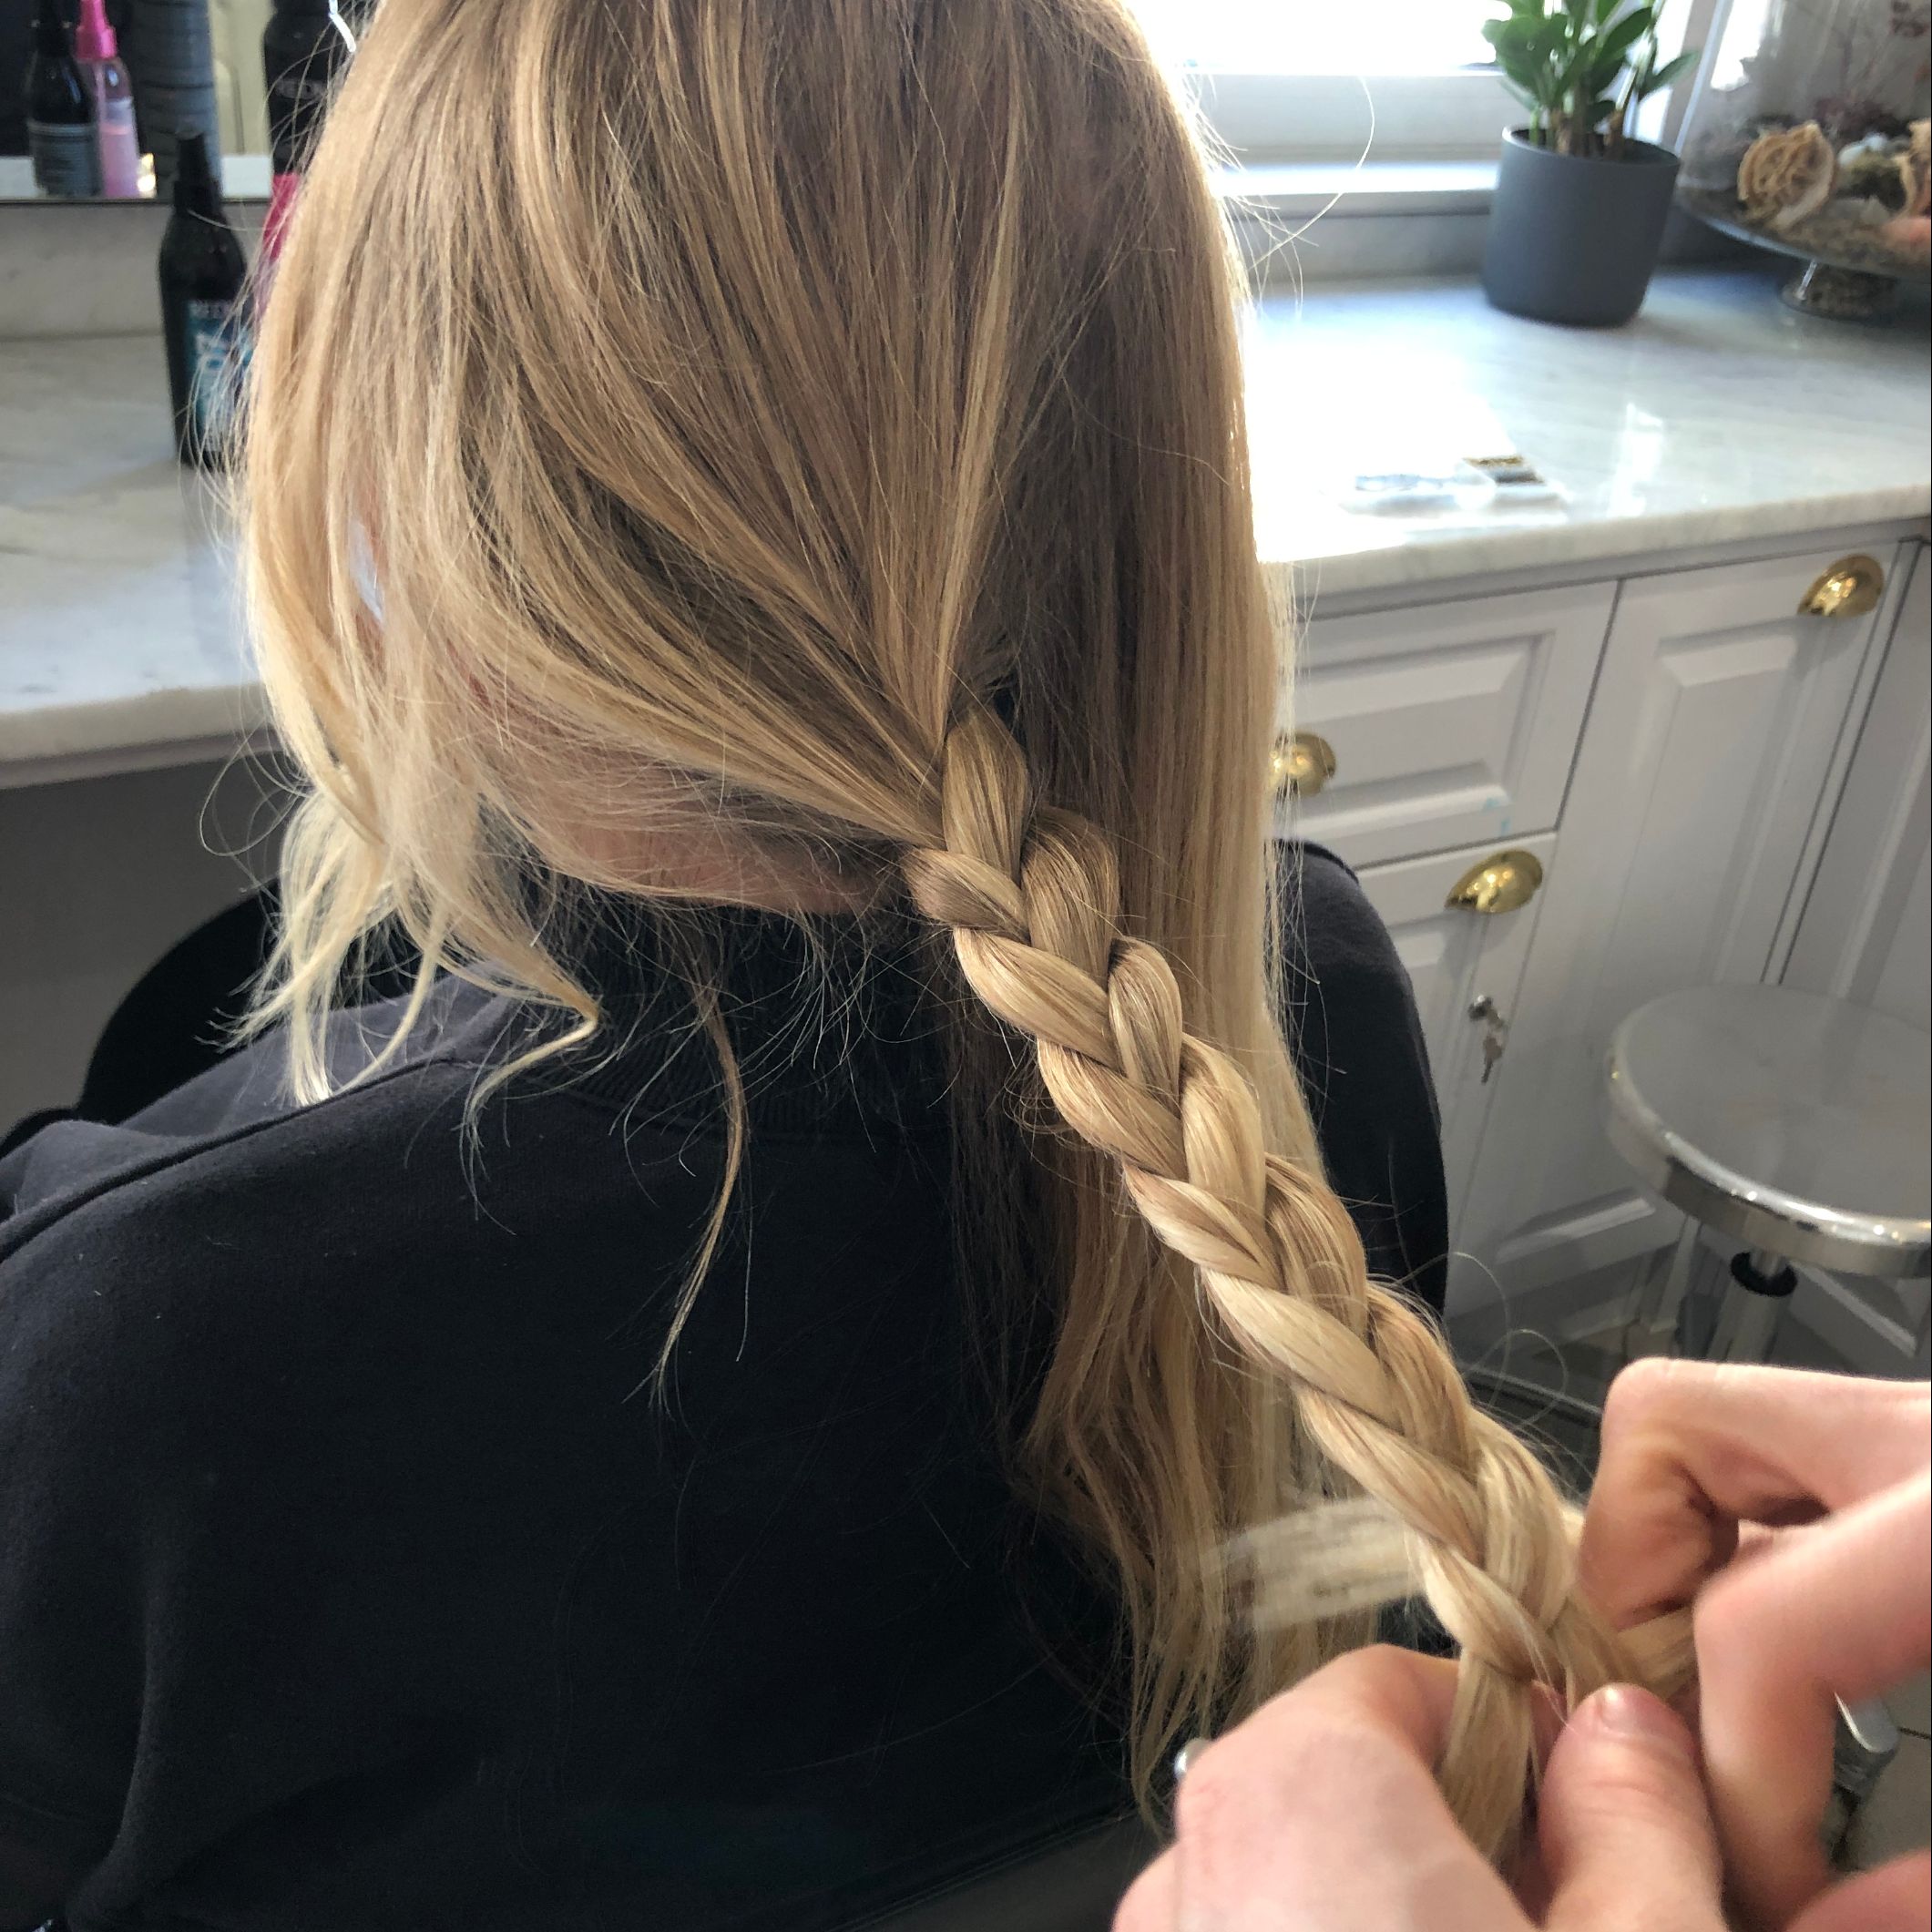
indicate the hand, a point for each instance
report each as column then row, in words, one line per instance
column 1321, row 1814
column 1840, row 1608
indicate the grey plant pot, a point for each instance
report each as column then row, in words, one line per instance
column 1573, row 239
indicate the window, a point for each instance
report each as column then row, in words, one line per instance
column 1311, row 79
column 1321, row 36
column 1315, row 79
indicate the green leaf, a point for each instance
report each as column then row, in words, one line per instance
column 1605, row 8
column 1528, row 52
column 1633, row 26
column 1603, row 70
column 1514, row 56
column 1570, row 74
column 1510, row 33
column 1510, row 51
column 1669, row 72
column 1548, row 41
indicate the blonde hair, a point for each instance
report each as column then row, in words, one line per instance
column 821, row 423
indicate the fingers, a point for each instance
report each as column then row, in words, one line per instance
column 1896, row 1897
column 1690, row 1447
column 1397, row 1697
column 1839, row 1610
column 1836, row 1609
column 1626, row 1834
column 1321, row 1814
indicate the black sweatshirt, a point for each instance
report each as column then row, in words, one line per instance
column 350, row 1578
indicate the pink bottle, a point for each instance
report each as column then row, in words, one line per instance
column 100, row 61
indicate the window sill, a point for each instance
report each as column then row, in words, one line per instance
column 1300, row 191
column 1297, row 221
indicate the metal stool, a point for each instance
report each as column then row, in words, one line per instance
column 1795, row 1125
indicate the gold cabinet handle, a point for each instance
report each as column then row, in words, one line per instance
column 1302, row 764
column 1852, row 586
column 1502, row 883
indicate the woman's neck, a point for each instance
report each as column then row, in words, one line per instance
column 702, row 861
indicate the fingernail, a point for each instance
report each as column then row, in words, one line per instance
column 1633, row 1716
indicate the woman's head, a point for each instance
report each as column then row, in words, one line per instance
column 724, row 398
column 800, row 445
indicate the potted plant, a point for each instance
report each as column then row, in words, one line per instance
column 1580, row 204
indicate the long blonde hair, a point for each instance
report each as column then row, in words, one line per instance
column 820, row 420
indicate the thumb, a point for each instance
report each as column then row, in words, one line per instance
column 1624, row 1825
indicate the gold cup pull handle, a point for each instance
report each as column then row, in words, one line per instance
column 1503, row 883
column 1303, row 764
column 1852, row 586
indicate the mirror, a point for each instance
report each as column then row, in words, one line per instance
column 73, row 130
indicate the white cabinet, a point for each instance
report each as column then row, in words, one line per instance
column 1865, row 933
column 1456, row 959
column 1449, row 724
column 1715, row 729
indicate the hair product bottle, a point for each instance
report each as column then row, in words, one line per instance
column 204, row 311
column 59, row 112
column 304, row 48
column 113, row 92
column 172, row 53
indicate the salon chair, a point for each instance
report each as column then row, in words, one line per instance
column 1076, row 1886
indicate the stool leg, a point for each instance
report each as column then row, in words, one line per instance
column 1658, row 1294
column 1747, row 1324
column 1866, row 1742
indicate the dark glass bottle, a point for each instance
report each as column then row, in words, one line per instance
column 303, row 51
column 59, row 112
column 204, row 310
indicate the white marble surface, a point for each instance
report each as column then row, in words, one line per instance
column 1716, row 416
column 120, row 638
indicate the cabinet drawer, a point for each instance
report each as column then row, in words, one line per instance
column 1449, row 724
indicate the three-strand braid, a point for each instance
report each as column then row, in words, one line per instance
column 1030, row 896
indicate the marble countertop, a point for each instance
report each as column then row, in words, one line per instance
column 121, row 642
column 1716, row 416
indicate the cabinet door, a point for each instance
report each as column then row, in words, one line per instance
column 1865, row 932
column 1455, row 959
column 1866, row 935
column 1448, row 724
column 1700, row 774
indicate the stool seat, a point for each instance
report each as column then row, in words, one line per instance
column 1795, row 1124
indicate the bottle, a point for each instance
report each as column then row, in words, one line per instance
column 113, row 92
column 204, row 309
column 305, row 48
column 59, row 112
column 171, row 52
